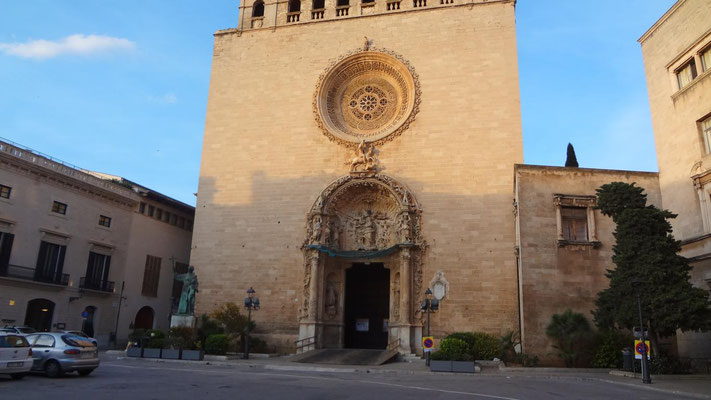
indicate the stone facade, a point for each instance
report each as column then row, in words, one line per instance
column 275, row 170
column 74, row 280
column 557, row 273
column 680, row 101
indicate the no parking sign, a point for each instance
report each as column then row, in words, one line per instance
column 428, row 343
column 640, row 349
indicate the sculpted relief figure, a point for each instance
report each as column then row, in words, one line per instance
column 365, row 159
column 331, row 297
column 383, row 234
column 366, row 239
column 404, row 229
column 315, row 230
column 335, row 241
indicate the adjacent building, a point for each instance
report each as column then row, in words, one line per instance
column 677, row 60
column 80, row 250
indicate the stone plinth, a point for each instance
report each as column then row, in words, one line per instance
column 178, row 320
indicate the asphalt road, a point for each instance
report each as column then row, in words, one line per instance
column 121, row 379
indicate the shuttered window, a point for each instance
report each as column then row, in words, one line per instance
column 50, row 262
column 151, row 276
column 5, row 249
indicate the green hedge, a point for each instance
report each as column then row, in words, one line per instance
column 480, row 345
column 216, row 344
column 453, row 349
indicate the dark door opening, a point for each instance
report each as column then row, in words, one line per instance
column 144, row 318
column 39, row 314
column 367, row 306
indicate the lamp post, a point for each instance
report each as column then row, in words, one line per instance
column 250, row 303
column 638, row 283
column 429, row 305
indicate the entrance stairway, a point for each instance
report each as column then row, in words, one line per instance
column 346, row 356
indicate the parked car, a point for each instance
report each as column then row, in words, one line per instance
column 22, row 330
column 56, row 353
column 82, row 334
column 15, row 355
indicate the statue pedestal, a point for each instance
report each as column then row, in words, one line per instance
column 178, row 320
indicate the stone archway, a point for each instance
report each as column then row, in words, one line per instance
column 362, row 218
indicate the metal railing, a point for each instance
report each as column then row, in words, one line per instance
column 306, row 342
column 30, row 274
column 95, row 284
column 394, row 345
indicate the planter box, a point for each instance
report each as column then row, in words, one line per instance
column 151, row 353
column 194, row 355
column 440, row 366
column 463, row 366
column 134, row 352
column 170, row 354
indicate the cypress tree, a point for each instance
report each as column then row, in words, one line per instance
column 571, row 160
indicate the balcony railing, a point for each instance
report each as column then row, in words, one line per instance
column 99, row 285
column 293, row 16
column 30, row 274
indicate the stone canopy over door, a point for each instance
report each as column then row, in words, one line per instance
column 359, row 220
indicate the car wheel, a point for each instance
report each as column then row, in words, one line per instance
column 85, row 372
column 17, row 376
column 53, row 369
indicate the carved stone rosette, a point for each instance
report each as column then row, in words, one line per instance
column 369, row 95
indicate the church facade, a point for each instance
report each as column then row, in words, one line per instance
column 356, row 155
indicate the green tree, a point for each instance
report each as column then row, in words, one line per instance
column 233, row 323
column 646, row 250
column 572, row 333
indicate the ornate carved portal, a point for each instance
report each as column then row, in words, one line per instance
column 361, row 218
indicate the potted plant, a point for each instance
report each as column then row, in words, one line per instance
column 454, row 355
column 134, row 348
column 155, row 340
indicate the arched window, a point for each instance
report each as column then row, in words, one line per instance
column 294, row 5
column 258, row 9
column 144, row 318
column 318, row 4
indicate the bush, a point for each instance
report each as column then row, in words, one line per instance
column 480, row 345
column 528, row 361
column 508, row 343
column 155, row 339
column 207, row 327
column 216, row 344
column 607, row 348
column 453, row 349
column 572, row 333
column 666, row 365
column 257, row 345
column 136, row 336
column 180, row 337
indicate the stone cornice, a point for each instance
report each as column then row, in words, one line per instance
column 661, row 21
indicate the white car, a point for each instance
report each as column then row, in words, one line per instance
column 15, row 355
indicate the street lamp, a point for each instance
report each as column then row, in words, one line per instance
column 638, row 284
column 250, row 303
column 429, row 305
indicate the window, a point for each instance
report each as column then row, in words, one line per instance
column 575, row 223
column 575, row 219
column 5, row 248
column 189, row 225
column 159, row 214
column 59, row 208
column 706, row 133
column 174, row 220
column 686, row 73
column 5, row 191
column 151, row 276
column 294, row 5
column 705, row 57
column 150, row 211
column 44, row 341
column 142, row 208
column 258, row 9
column 105, row 221
column 50, row 262
column 97, row 272
column 181, row 222
column 318, row 4
column 166, row 216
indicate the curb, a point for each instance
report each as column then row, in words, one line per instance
column 666, row 378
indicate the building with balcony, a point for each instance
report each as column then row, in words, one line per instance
column 87, row 251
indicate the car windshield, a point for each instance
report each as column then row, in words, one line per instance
column 25, row 330
column 77, row 341
column 13, row 341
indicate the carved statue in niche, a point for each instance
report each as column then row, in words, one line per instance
column 365, row 159
column 383, row 234
column 396, row 297
column 366, row 229
column 327, row 234
column 404, row 229
column 335, row 241
column 315, row 230
column 331, row 296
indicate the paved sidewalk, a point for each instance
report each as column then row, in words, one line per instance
column 698, row 386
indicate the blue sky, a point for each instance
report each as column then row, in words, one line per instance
column 121, row 87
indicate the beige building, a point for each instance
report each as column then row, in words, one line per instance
column 85, row 251
column 677, row 59
column 351, row 157
column 564, row 244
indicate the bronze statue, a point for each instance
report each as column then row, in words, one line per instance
column 186, row 306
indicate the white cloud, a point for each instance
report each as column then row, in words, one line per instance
column 75, row 44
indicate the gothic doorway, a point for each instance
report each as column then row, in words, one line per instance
column 144, row 318
column 39, row 314
column 367, row 306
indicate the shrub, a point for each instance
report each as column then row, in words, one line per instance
column 180, row 337
column 216, row 344
column 155, row 338
column 136, row 336
column 480, row 345
column 453, row 349
column 572, row 333
column 526, row 360
column 607, row 348
column 207, row 327
column 508, row 343
column 257, row 345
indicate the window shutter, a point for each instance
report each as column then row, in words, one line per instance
column 5, row 249
column 41, row 261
